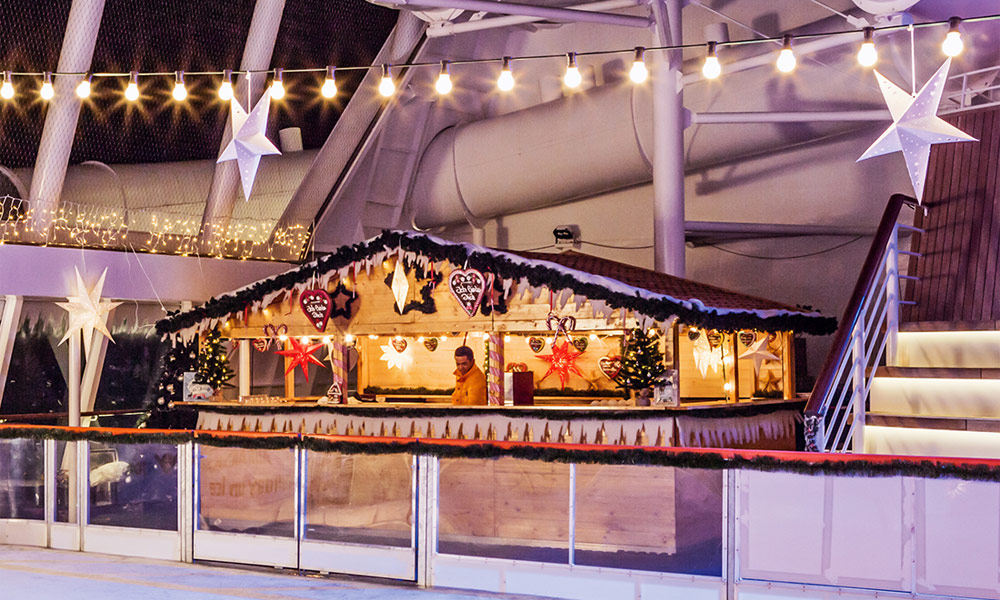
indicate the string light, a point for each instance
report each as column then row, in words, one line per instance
column 786, row 58
column 868, row 55
column 83, row 88
column 348, row 338
column 506, row 339
column 47, row 91
column 572, row 78
column 180, row 92
column 226, row 89
column 711, row 69
column 386, row 87
column 7, row 89
column 329, row 89
column 443, row 83
column 132, row 90
column 639, row 73
column 277, row 86
column 505, row 82
column 952, row 45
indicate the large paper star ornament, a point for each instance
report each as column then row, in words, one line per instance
column 87, row 311
column 395, row 359
column 301, row 355
column 759, row 353
column 915, row 126
column 705, row 356
column 562, row 362
column 249, row 142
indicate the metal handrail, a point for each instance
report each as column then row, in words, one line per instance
column 857, row 326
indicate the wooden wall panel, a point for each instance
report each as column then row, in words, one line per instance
column 959, row 278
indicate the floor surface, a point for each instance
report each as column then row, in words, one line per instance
column 41, row 574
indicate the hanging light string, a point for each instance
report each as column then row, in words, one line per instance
column 952, row 46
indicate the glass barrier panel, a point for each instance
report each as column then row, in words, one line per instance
column 360, row 498
column 649, row 518
column 246, row 491
column 133, row 485
column 504, row 508
column 66, row 486
column 22, row 479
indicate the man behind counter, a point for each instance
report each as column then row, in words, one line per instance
column 470, row 383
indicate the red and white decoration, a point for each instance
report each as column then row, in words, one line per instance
column 316, row 305
column 468, row 287
column 301, row 355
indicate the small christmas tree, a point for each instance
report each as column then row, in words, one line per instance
column 642, row 361
column 213, row 362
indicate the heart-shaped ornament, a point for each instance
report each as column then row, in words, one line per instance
column 693, row 334
column 536, row 344
column 610, row 366
column 261, row 344
column 581, row 343
column 316, row 305
column 517, row 367
column 399, row 344
column 714, row 338
column 431, row 344
column 747, row 338
column 468, row 287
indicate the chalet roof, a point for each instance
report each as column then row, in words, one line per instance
column 607, row 284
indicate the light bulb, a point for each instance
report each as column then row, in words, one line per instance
column 83, row 88
column 952, row 45
column 506, row 79
column 386, row 87
column 283, row 337
column 786, row 58
column 226, row 89
column 572, row 78
column 277, row 86
column 444, row 338
column 443, row 83
column 711, row 69
column 180, row 92
column 639, row 73
column 7, row 89
column 329, row 89
column 593, row 337
column 304, row 340
column 506, row 339
column 132, row 89
column 348, row 338
column 867, row 54
column 47, row 91
column 372, row 336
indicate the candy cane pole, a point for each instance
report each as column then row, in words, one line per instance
column 494, row 377
column 338, row 365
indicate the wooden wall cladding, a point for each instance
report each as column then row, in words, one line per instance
column 959, row 278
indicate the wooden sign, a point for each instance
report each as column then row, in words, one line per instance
column 610, row 366
column 468, row 287
column 316, row 306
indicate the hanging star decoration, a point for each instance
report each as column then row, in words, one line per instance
column 705, row 356
column 340, row 301
column 400, row 286
column 562, row 362
column 301, row 355
column 759, row 352
column 915, row 126
column 396, row 359
column 249, row 142
column 87, row 311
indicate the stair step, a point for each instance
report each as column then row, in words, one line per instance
column 950, row 326
column 910, row 441
column 949, row 423
column 978, row 348
column 939, row 372
column 935, row 397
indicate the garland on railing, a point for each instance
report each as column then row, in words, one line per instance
column 503, row 266
column 425, row 391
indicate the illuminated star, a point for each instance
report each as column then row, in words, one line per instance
column 759, row 353
column 562, row 361
column 706, row 356
column 915, row 126
column 86, row 311
column 249, row 142
column 400, row 286
column 395, row 359
column 301, row 355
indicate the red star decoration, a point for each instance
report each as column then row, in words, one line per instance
column 301, row 355
column 562, row 361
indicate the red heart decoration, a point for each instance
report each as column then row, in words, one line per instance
column 431, row 344
column 261, row 344
column 399, row 344
column 468, row 287
column 316, row 305
column 536, row 344
column 610, row 366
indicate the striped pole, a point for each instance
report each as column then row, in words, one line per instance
column 338, row 365
column 494, row 376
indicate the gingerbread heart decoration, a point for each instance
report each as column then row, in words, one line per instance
column 581, row 343
column 714, row 338
column 536, row 344
column 261, row 344
column 517, row 367
column 468, row 287
column 399, row 344
column 431, row 344
column 693, row 334
column 316, row 305
column 611, row 366
column 747, row 338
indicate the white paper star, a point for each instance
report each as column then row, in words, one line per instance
column 759, row 353
column 706, row 356
column 398, row 360
column 915, row 126
column 400, row 286
column 86, row 311
column 249, row 142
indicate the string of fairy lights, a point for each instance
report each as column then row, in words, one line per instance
column 712, row 68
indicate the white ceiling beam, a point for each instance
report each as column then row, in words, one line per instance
column 447, row 28
column 526, row 10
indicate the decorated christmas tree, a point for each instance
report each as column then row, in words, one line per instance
column 642, row 361
column 213, row 362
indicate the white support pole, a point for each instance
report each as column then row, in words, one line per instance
column 185, row 497
column 244, row 368
column 257, row 52
column 892, row 298
column 62, row 114
column 449, row 28
column 831, row 116
column 73, row 385
column 858, row 387
column 668, row 141
column 426, row 499
column 92, row 371
column 10, row 316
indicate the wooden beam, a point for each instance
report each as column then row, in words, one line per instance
column 788, row 365
column 9, row 319
column 244, row 368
